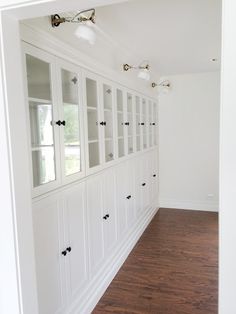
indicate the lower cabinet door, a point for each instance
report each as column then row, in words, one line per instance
column 75, row 239
column 130, row 203
column 122, row 196
column 145, row 181
column 95, row 222
column 50, row 262
column 138, row 190
column 109, row 211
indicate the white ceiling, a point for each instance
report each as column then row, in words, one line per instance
column 176, row 36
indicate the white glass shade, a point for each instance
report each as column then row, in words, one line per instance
column 85, row 31
column 144, row 74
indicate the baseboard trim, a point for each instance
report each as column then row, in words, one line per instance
column 86, row 303
column 189, row 205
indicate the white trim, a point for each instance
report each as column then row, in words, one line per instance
column 189, row 204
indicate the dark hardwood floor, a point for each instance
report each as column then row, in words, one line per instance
column 173, row 269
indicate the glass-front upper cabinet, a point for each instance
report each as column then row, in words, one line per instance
column 151, row 123
column 120, row 122
column 138, row 123
column 54, row 120
column 155, row 123
column 42, row 116
column 130, row 123
column 144, row 123
column 93, row 122
column 70, row 113
column 108, row 114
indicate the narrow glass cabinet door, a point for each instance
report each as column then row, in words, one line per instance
column 155, row 123
column 93, row 122
column 138, row 123
column 151, row 123
column 41, row 114
column 108, row 119
column 144, row 123
column 120, row 123
column 130, row 123
column 70, row 123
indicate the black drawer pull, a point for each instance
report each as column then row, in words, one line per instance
column 143, row 184
column 64, row 253
column 126, row 123
column 69, row 249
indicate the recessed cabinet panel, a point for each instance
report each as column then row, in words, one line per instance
column 109, row 209
column 71, row 129
column 122, row 196
column 76, row 245
column 41, row 115
column 47, row 225
column 95, row 225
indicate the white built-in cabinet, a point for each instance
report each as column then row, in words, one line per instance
column 94, row 156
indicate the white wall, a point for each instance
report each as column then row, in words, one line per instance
column 189, row 142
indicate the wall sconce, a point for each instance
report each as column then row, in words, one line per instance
column 144, row 70
column 164, row 85
column 84, row 30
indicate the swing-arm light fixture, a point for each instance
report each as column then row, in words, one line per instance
column 165, row 83
column 144, row 69
column 79, row 17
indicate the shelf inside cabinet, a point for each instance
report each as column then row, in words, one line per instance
column 38, row 101
column 38, row 148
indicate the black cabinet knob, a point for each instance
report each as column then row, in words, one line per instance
column 154, row 124
column 64, row 253
column 69, row 249
column 142, row 123
column 154, row 175
column 128, row 197
column 143, row 184
column 108, row 215
column 103, row 123
column 105, row 217
column 126, row 123
column 58, row 122
column 63, row 122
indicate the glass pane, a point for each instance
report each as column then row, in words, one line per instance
column 137, row 103
column 69, row 87
column 92, row 125
column 119, row 97
column 144, row 120
column 43, row 165
column 156, row 122
column 120, row 124
column 91, row 91
column 71, row 117
column 109, row 154
column 151, row 121
column 109, row 125
column 93, row 154
column 38, row 77
column 129, row 103
column 41, row 124
column 107, row 93
column 121, row 147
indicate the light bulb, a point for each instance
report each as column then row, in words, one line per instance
column 86, row 32
column 144, row 74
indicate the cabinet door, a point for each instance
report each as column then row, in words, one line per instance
column 121, row 131
column 50, row 263
column 71, row 121
column 145, row 183
column 144, row 123
column 154, row 175
column 130, row 202
column 138, row 123
column 150, row 126
column 75, row 239
column 95, row 222
column 155, row 123
column 108, row 117
column 130, row 123
column 122, row 196
column 94, row 122
column 109, row 210
column 43, row 117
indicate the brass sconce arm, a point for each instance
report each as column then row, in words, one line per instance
column 56, row 20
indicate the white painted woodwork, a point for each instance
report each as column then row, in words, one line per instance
column 75, row 238
column 50, row 263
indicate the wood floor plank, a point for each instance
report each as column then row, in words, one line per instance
column 173, row 269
